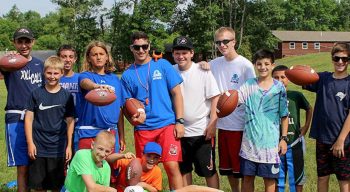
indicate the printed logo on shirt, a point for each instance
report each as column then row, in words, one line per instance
column 72, row 87
column 234, row 78
column 156, row 75
column 34, row 78
column 341, row 95
column 41, row 107
column 103, row 81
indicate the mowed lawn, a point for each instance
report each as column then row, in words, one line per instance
column 320, row 62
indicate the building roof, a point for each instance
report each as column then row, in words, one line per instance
column 316, row 36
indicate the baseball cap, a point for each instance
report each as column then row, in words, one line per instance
column 135, row 188
column 23, row 32
column 182, row 42
column 153, row 147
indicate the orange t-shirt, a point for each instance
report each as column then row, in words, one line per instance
column 152, row 177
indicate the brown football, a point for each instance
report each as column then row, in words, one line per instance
column 133, row 106
column 100, row 97
column 13, row 62
column 133, row 172
column 302, row 75
column 227, row 103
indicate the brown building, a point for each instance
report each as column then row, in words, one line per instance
column 305, row 42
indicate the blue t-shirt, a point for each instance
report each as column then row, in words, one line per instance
column 93, row 118
column 20, row 84
column 160, row 78
column 263, row 112
column 49, row 127
column 331, row 107
column 71, row 84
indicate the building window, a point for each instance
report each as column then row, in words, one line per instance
column 305, row 45
column 291, row 45
column 317, row 45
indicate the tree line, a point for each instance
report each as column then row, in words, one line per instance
column 77, row 22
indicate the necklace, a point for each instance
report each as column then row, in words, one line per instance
column 145, row 86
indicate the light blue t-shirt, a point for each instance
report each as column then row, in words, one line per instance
column 263, row 112
column 153, row 82
column 101, row 117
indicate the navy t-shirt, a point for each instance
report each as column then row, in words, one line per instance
column 20, row 84
column 331, row 107
column 49, row 127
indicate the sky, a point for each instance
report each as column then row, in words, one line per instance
column 41, row 6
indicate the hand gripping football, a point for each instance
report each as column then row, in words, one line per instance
column 100, row 97
column 13, row 62
column 133, row 106
column 227, row 103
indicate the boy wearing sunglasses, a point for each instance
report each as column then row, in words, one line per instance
column 331, row 121
column 230, row 71
column 157, row 85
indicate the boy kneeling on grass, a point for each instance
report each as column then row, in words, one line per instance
column 89, row 171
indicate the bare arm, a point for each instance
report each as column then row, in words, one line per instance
column 116, row 156
column 179, row 110
column 282, row 146
column 338, row 146
column 28, row 128
column 70, row 129
column 306, row 126
column 91, row 186
column 147, row 186
column 210, row 131
column 121, row 132
column 87, row 84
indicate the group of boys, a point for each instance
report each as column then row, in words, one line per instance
column 262, row 137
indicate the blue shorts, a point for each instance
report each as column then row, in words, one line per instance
column 16, row 142
column 265, row 170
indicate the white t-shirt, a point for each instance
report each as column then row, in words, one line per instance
column 198, row 87
column 231, row 75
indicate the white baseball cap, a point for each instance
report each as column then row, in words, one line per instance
column 135, row 188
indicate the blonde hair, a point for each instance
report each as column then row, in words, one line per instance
column 109, row 66
column 223, row 29
column 105, row 136
column 54, row 62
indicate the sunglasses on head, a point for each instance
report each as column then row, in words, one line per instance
column 337, row 59
column 138, row 47
column 225, row 42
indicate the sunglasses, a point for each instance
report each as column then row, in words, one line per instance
column 225, row 42
column 337, row 59
column 138, row 47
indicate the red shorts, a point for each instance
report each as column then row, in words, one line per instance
column 85, row 143
column 171, row 148
column 229, row 144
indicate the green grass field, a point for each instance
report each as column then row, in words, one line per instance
column 320, row 62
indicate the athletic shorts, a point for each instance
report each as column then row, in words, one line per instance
column 293, row 164
column 85, row 143
column 328, row 164
column 229, row 147
column 265, row 170
column 16, row 142
column 199, row 152
column 45, row 173
column 171, row 148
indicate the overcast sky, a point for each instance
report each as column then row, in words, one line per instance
column 41, row 6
